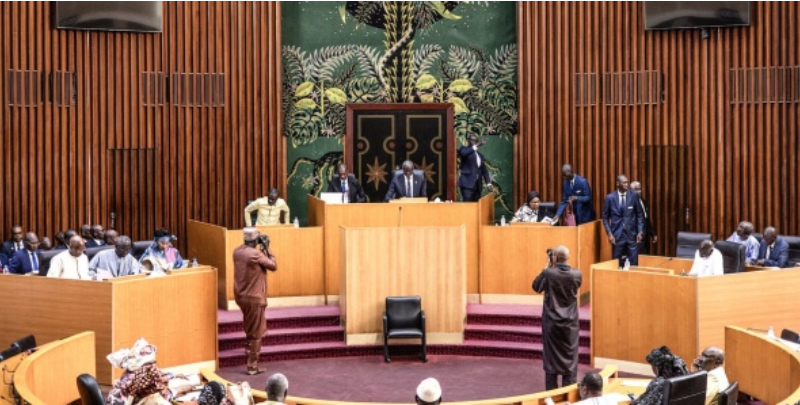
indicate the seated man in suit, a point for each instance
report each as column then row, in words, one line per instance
column 12, row 245
column 744, row 236
column 97, row 235
column 86, row 234
column 707, row 261
column 71, row 264
column 711, row 360
column 117, row 262
column 774, row 251
column 26, row 260
column 624, row 221
column 347, row 185
column 407, row 184
column 110, row 237
column 272, row 210
column 531, row 212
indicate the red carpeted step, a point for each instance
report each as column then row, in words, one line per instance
column 281, row 318
column 237, row 340
column 514, row 333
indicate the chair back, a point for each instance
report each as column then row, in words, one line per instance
column 9, row 353
column 729, row 395
column 689, row 389
column 138, row 248
column 791, row 336
column 794, row 249
column 25, row 343
column 733, row 256
column 89, row 390
column 688, row 242
column 548, row 206
column 44, row 260
column 91, row 252
column 404, row 312
column 759, row 236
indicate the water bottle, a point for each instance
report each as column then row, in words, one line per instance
column 503, row 220
column 5, row 270
column 627, row 265
column 296, row 222
column 771, row 332
column 194, row 262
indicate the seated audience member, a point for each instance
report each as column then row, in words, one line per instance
column 162, row 251
column 277, row 389
column 591, row 391
column 61, row 240
column 530, row 212
column 141, row 379
column 213, row 394
column 119, row 261
column 26, row 260
column 347, row 184
column 110, row 237
column 711, row 360
column 774, row 251
column 272, row 210
column 744, row 236
column 97, row 235
column 665, row 365
column 71, row 264
column 45, row 244
column 707, row 261
column 429, row 392
column 13, row 243
column 407, row 184
column 86, row 234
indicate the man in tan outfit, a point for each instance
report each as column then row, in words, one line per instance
column 251, row 262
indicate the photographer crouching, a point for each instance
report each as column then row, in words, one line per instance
column 250, row 263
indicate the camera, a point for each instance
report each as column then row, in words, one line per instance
column 263, row 240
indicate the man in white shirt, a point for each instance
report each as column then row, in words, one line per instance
column 72, row 264
column 591, row 391
column 707, row 261
column 711, row 360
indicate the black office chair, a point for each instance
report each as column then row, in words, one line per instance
column 689, row 389
column 794, row 249
column 729, row 395
column 90, row 390
column 93, row 251
column 548, row 207
column 791, row 336
column 733, row 256
column 9, row 353
column 25, row 344
column 759, row 236
column 403, row 319
column 138, row 248
column 688, row 242
column 45, row 258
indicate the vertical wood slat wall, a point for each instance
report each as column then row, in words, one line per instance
column 743, row 157
column 55, row 159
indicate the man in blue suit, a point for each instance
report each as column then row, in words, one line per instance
column 407, row 184
column 624, row 221
column 774, row 251
column 26, row 260
column 473, row 170
column 576, row 190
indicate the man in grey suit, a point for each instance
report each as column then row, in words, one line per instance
column 407, row 184
column 624, row 221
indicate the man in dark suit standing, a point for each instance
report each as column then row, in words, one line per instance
column 577, row 191
column 774, row 251
column 407, row 184
column 623, row 220
column 473, row 170
column 649, row 230
column 347, row 185
column 26, row 260
column 12, row 245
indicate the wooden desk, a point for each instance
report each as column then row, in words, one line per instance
column 380, row 215
column 634, row 312
column 299, row 252
column 176, row 313
column 765, row 368
column 48, row 375
column 512, row 256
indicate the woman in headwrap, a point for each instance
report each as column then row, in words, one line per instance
column 161, row 249
column 531, row 212
column 142, row 382
column 213, row 394
column 665, row 365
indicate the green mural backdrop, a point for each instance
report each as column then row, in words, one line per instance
column 335, row 53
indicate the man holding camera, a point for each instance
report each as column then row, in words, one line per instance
column 560, row 284
column 250, row 264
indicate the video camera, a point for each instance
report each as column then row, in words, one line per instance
column 263, row 240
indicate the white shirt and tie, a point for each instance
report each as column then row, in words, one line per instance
column 622, row 200
column 345, row 196
column 409, row 186
column 34, row 261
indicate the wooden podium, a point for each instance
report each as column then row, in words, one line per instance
column 634, row 312
column 400, row 261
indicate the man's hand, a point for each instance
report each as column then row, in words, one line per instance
column 760, row 262
column 612, row 240
column 639, row 238
column 655, row 239
column 573, row 198
column 490, row 187
column 482, row 142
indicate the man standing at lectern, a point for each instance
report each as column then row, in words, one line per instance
column 347, row 185
column 560, row 284
column 473, row 170
column 250, row 265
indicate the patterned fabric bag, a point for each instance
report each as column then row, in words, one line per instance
column 239, row 394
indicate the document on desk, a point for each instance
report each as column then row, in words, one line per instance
column 103, row 274
column 635, row 383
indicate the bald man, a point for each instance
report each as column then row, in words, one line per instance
column 774, row 251
column 272, row 210
column 72, row 264
column 707, row 261
column 712, row 360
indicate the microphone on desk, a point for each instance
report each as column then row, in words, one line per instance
column 659, row 264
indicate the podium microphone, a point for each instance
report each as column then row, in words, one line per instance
column 658, row 266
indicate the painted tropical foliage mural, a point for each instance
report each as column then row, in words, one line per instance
column 337, row 53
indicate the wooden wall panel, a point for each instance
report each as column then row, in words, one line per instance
column 743, row 158
column 208, row 161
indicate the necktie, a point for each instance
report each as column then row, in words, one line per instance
column 622, row 200
column 344, row 186
column 769, row 251
column 408, row 187
column 19, row 246
column 34, row 261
